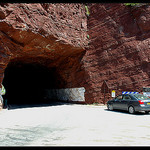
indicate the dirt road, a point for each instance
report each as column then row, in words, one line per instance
column 65, row 124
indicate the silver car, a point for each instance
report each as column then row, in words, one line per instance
column 130, row 102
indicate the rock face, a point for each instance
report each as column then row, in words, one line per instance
column 52, row 35
column 68, row 94
column 119, row 50
column 110, row 45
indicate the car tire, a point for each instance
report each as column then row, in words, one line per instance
column 131, row 110
column 110, row 107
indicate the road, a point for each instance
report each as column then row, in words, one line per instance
column 64, row 124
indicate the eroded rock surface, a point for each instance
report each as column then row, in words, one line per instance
column 112, row 44
column 46, row 34
column 119, row 50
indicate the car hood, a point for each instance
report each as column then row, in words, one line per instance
column 110, row 101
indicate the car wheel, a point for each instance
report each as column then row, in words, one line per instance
column 110, row 107
column 131, row 110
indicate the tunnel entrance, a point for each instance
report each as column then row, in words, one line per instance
column 25, row 83
column 36, row 80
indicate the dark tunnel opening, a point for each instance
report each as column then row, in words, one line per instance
column 25, row 83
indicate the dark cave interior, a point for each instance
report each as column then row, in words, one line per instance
column 25, row 82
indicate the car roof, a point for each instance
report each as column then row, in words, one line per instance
column 134, row 95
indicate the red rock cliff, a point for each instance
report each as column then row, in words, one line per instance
column 119, row 50
column 49, row 34
column 112, row 44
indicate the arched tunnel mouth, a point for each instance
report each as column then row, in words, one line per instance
column 33, row 81
column 25, row 83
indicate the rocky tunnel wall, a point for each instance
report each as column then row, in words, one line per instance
column 49, row 35
column 30, row 83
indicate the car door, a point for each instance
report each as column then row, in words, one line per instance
column 125, row 102
column 117, row 102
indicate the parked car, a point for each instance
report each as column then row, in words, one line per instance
column 130, row 102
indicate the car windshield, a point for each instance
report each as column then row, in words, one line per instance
column 141, row 97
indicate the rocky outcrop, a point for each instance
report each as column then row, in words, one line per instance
column 109, row 46
column 119, row 48
column 47, row 34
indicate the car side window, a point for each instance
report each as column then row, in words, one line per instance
column 126, row 97
column 119, row 97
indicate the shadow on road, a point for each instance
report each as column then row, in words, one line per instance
column 20, row 106
column 125, row 112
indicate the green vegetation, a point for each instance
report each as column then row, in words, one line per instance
column 87, row 10
column 132, row 4
column 96, row 103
